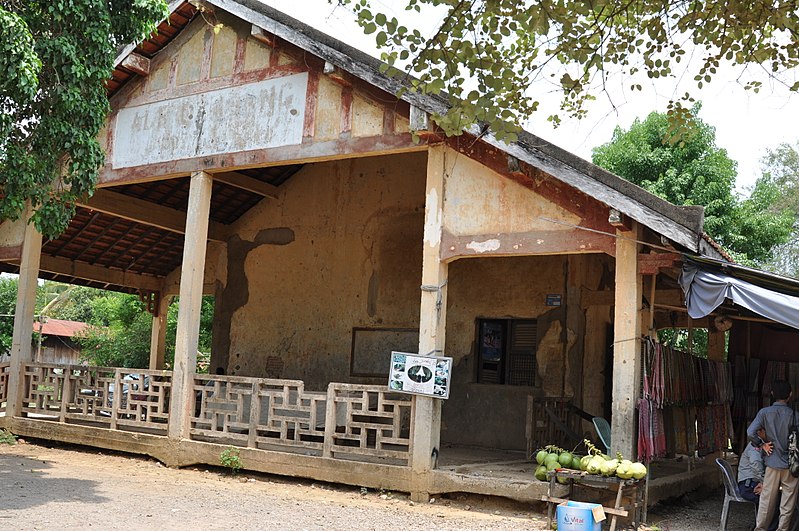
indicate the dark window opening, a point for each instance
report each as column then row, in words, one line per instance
column 506, row 351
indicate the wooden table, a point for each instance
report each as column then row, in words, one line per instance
column 601, row 483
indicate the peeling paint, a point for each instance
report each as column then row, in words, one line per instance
column 482, row 247
column 432, row 225
column 210, row 123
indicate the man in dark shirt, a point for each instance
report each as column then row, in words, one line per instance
column 776, row 419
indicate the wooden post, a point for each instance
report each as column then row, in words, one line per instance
column 21, row 347
column 626, row 344
column 715, row 344
column 426, row 429
column 191, row 293
column 158, row 335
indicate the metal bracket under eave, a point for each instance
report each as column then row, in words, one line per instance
column 151, row 300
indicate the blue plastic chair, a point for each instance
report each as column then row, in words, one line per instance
column 602, row 428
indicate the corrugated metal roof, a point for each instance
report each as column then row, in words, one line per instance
column 61, row 327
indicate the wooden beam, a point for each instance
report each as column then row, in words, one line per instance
column 419, row 120
column 426, row 421
column 181, row 404
column 85, row 271
column 21, row 350
column 537, row 242
column 244, row 182
column 626, row 342
column 147, row 213
column 259, row 34
column 652, row 263
column 138, row 64
column 590, row 297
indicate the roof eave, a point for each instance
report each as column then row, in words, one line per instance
column 682, row 225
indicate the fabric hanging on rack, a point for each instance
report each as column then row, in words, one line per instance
column 712, row 428
column 651, row 431
column 672, row 377
column 680, row 427
column 653, row 372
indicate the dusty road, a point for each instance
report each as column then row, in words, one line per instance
column 66, row 487
column 47, row 486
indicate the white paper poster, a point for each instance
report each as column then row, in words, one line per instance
column 421, row 375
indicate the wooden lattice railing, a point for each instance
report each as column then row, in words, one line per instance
column 368, row 421
column 88, row 394
column 354, row 422
column 357, row 422
column 3, row 385
column 258, row 412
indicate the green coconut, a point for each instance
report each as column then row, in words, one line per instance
column 565, row 459
column 540, row 456
column 638, row 470
column 584, row 462
column 541, row 473
column 608, row 468
column 624, row 470
column 576, row 460
column 595, row 465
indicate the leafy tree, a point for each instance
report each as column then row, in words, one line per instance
column 125, row 340
column 487, row 53
column 73, row 303
column 55, row 57
column 781, row 171
column 120, row 335
column 695, row 171
column 8, row 306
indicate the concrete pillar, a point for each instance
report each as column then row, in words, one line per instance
column 426, row 428
column 21, row 347
column 158, row 334
column 626, row 344
column 191, row 294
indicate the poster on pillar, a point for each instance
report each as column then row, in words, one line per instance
column 420, row 375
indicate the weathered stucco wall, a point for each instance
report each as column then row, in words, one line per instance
column 568, row 348
column 339, row 248
column 486, row 213
column 480, row 201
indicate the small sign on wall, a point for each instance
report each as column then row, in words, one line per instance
column 554, row 299
column 420, row 375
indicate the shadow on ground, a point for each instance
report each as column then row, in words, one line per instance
column 26, row 483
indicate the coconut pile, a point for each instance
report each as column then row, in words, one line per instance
column 552, row 458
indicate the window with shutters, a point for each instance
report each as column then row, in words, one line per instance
column 506, row 351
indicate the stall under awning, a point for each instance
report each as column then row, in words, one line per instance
column 708, row 282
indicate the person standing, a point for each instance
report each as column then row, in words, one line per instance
column 776, row 420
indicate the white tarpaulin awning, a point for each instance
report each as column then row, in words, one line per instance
column 707, row 283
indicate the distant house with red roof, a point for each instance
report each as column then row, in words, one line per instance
column 58, row 344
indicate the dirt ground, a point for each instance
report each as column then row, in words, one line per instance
column 49, row 486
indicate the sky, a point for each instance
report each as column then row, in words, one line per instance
column 747, row 124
